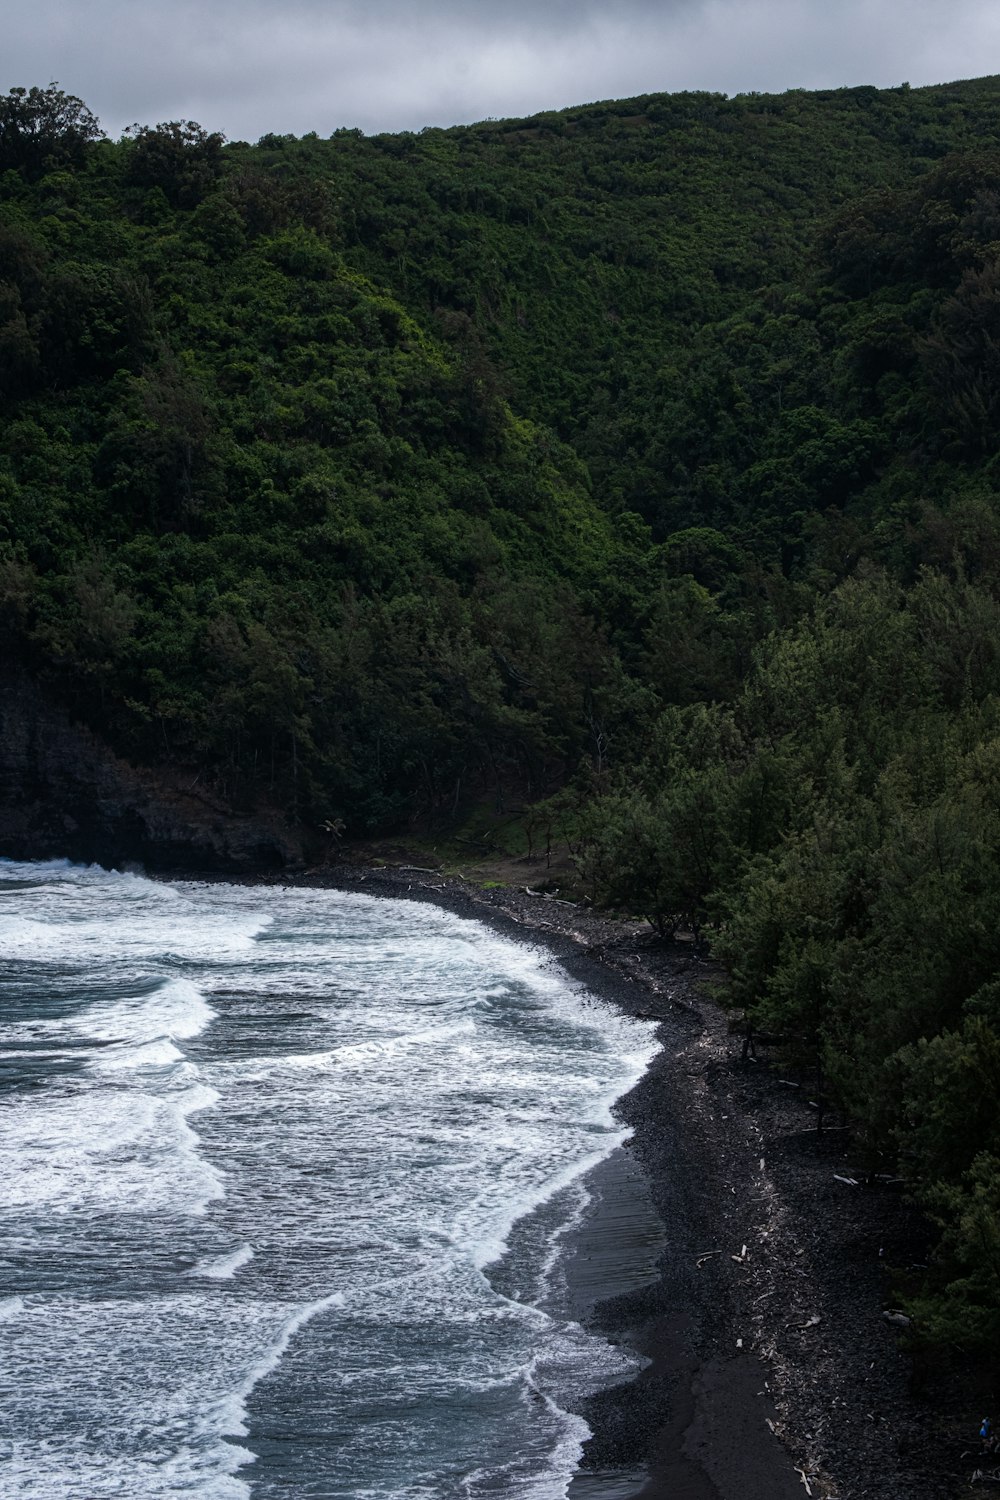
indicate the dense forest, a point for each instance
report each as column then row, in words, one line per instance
column 635, row 465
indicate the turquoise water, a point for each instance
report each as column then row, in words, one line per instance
column 262, row 1152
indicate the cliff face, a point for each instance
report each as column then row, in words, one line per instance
column 64, row 794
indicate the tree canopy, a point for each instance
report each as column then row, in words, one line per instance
column 43, row 128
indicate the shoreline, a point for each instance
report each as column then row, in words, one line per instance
column 772, row 1372
column 689, row 1389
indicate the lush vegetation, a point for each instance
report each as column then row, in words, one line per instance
column 635, row 464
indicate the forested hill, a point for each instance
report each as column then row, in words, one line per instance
column 363, row 472
column 635, row 463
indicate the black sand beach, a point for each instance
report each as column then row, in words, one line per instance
column 724, row 1245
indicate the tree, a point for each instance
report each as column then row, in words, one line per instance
column 664, row 849
column 43, row 128
column 177, row 156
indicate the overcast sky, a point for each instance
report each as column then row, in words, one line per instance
column 247, row 67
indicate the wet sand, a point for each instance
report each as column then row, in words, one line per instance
column 690, row 1427
column 693, row 1424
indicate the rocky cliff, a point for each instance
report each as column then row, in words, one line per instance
column 64, row 794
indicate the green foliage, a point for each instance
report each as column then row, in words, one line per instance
column 662, row 850
column 178, row 158
column 842, row 838
column 44, row 128
column 965, row 1310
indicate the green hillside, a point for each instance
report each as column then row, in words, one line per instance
column 642, row 455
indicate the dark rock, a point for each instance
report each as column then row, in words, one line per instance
column 64, row 794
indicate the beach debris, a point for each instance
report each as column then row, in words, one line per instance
column 805, row 1479
column 851, row 1181
column 706, row 1255
column 811, row 1322
column 742, row 1258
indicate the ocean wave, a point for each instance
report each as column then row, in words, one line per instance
column 382, row 1139
column 124, row 1152
column 230, row 1413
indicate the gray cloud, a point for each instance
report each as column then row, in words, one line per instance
column 246, row 67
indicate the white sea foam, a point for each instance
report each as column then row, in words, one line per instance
column 366, row 1055
column 580, row 1202
column 120, row 1151
column 514, row 1474
column 148, row 934
column 224, row 1267
column 123, row 1392
column 34, row 1471
column 380, row 1091
column 502, row 1215
column 138, row 1030
column 229, row 1415
column 176, row 1010
column 158, row 1054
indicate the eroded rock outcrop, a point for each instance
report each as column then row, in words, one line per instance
column 63, row 793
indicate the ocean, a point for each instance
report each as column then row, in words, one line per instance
column 262, row 1158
